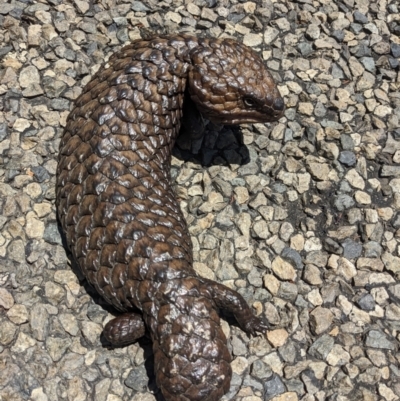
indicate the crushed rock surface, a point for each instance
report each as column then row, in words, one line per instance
column 302, row 217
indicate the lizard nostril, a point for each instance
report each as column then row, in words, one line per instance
column 278, row 105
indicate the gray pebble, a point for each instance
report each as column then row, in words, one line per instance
column 362, row 50
column 40, row 173
column 4, row 50
column 332, row 246
column 394, row 62
column 347, row 158
column 52, row 233
column 293, row 257
column 305, row 48
column 360, row 17
column 273, row 387
column 260, row 370
column 372, row 249
column 321, row 347
column 346, row 142
column 351, row 249
column 3, row 131
column 137, row 379
column 338, row 35
column 377, row 339
column 288, row 291
column 368, row 63
column 395, row 48
column 343, row 202
column 366, row 302
column 356, row 28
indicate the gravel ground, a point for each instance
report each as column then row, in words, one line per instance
column 301, row 217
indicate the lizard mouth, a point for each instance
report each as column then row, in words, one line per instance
column 251, row 116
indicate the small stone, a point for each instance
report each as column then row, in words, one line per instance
column 320, row 320
column 302, row 182
column 343, row 202
column 305, row 108
column 273, row 387
column 18, row 314
column 395, row 49
column 372, row 249
column 137, row 379
column 288, row 291
column 314, row 297
column 283, row 269
column 305, row 48
column 39, row 321
column 383, row 111
column 139, row 6
column 7, row 331
column 368, row 63
column 101, row 389
column 52, row 234
column 242, row 194
column 347, row 158
column 208, row 14
column 6, row 299
column 193, row 9
column 338, row 356
column 360, row 17
column 22, row 343
column 16, row 251
column 252, row 40
column 271, row 283
column 260, row 229
column 259, row 369
column 37, row 394
column 321, row 347
column 91, row 331
column 69, row 323
column 376, row 339
column 386, row 392
column 270, row 34
column 28, row 76
column 175, row 17
column 390, row 171
column 277, row 337
column 362, row 198
column 346, row 269
column 392, row 312
column 292, row 256
column 367, row 81
column 313, row 31
column 354, row 179
column 34, row 226
column 312, row 275
column 332, row 246
column 83, row 6
column 289, row 396
column 312, row 244
column 374, row 264
column 338, row 35
column 203, row 270
column 40, row 173
column 366, row 302
column 351, row 249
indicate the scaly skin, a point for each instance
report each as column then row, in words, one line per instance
column 122, row 221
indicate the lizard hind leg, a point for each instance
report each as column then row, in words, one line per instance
column 124, row 329
column 231, row 301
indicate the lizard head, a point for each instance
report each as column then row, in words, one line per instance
column 230, row 85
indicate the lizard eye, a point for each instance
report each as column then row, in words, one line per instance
column 249, row 102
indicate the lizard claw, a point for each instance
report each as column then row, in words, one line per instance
column 255, row 325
